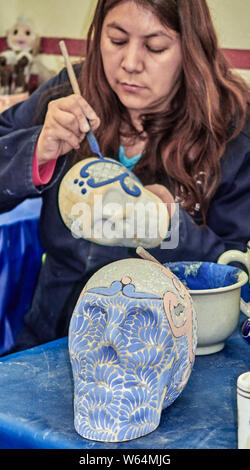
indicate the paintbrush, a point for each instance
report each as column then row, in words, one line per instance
column 76, row 90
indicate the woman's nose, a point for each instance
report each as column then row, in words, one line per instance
column 133, row 59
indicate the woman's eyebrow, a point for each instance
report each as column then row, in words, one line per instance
column 159, row 33
column 116, row 26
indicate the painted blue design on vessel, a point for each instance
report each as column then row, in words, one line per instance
column 80, row 184
column 128, row 290
column 135, row 191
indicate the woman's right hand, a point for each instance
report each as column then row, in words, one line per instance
column 65, row 127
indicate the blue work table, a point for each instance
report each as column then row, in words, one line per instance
column 36, row 402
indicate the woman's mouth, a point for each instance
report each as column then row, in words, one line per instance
column 131, row 87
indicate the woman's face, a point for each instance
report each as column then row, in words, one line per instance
column 142, row 58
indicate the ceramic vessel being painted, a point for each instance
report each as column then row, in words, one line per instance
column 102, row 201
column 215, row 290
column 132, row 341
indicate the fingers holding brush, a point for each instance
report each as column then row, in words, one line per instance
column 66, row 124
column 67, row 121
column 64, row 128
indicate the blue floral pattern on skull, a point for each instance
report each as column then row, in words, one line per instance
column 127, row 363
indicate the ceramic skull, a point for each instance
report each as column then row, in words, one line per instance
column 104, row 202
column 132, row 341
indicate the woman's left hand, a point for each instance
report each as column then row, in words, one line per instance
column 164, row 194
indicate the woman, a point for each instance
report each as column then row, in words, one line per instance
column 160, row 97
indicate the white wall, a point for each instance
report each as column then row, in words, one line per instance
column 52, row 18
column 71, row 18
column 232, row 21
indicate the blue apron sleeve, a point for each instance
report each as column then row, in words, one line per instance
column 18, row 138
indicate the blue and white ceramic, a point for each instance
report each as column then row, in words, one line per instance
column 102, row 201
column 132, row 342
column 216, row 293
column 243, row 409
column 200, row 276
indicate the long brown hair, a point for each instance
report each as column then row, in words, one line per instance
column 210, row 106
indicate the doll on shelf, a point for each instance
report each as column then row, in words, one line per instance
column 23, row 45
column 23, row 48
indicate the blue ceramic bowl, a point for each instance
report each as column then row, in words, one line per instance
column 196, row 275
column 216, row 291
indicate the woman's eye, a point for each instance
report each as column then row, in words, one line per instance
column 118, row 42
column 156, row 51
